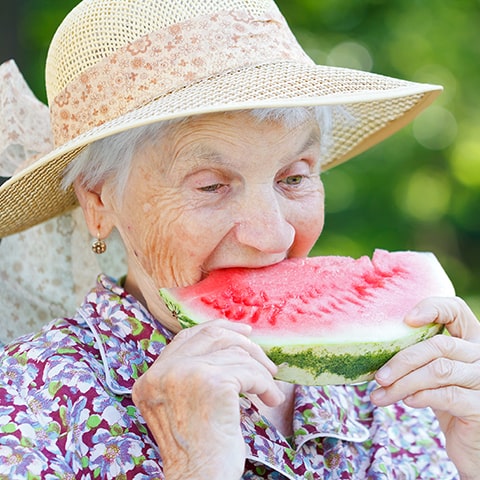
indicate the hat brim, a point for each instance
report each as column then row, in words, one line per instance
column 375, row 106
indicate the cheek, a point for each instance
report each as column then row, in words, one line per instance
column 171, row 240
column 152, row 230
column 308, row 224
column 311, row 224
column 165, row 239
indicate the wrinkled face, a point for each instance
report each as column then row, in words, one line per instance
column 219, row 191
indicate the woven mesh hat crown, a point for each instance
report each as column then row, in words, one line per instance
column 96, row 29
column 114, row 65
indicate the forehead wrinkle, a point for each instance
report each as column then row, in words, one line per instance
column 196, row 154
column 204, row 152
column 200, row 153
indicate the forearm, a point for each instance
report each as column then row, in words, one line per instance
column 195, row 455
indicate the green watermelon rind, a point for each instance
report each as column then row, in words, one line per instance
column 184, row 320
column 340, row 363
column 324, row 363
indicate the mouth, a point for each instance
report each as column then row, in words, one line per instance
column 250, row 265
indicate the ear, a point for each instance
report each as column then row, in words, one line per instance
column 99, row 216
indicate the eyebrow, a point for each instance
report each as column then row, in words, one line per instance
column 313, row 139
column 203, row 152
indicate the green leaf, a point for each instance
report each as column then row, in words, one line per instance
column 94, row 421
column 9, row 428
column 54, row 387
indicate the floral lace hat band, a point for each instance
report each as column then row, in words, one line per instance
column 167, row 60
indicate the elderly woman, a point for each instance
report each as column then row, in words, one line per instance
column 198, row 131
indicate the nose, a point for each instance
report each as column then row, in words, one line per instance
column 263, row 225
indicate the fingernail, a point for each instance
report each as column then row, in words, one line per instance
column 243, row 329
column 414, row 317
column 415, row 312
column 378, row 394
column 384, row 373
column 419, row 316
column 273, row 367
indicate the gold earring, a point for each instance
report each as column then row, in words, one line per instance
column 99, row 246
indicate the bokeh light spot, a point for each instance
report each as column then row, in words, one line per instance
column 440, row 75
column 331, row 243
column 351, row 55
column 436, row 128
column 425, row 195
column 465, row 162
column 339, row 191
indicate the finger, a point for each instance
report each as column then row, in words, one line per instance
column 434, row 376
column 452, row 312
column 265, row 388
column 217, row 335
column 423, row 353
column 209, row 336
column 248, row 375
column 240, row 328
column 454, row 400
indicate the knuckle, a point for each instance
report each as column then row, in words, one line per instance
column 451, row 396
column 239, row 351
column 145, row 389
column 212, row 331
column 136, row 393
column 458, row 309
column 442, row 369
column 460, row 302
column 184, row 334
column 203, row 378
column 444, row 344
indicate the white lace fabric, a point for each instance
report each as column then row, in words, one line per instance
column 45, row 270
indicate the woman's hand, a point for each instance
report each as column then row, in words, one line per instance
column 443, row 373
column 190, row 399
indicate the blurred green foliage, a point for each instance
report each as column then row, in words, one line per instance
column 418, row 190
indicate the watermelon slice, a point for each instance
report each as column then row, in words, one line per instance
column 323, row 320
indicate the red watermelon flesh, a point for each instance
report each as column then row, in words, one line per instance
column 329, row 319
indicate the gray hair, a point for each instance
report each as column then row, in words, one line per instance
column 111, row 157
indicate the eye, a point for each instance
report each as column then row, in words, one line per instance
column 215, row 187
column 293, row 180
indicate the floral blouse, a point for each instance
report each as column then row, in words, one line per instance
column 66, row 411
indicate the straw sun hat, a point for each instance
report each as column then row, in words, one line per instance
column 118, row 64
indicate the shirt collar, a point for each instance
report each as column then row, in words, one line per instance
column 128, row 337
column 328, row 411
column 333, row 412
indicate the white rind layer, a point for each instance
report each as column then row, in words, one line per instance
column 342, row 363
